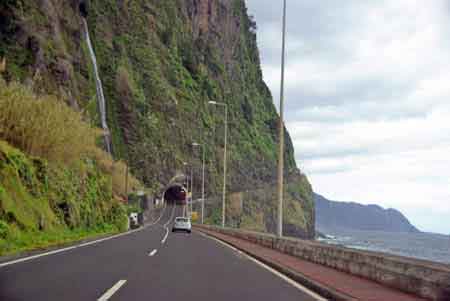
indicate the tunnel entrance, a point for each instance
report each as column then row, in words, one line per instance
column 83, row 8
column 175, row 194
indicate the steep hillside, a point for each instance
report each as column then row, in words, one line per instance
column 42, row 205
column 160, row 63
column 56, row 185
column 331, row 215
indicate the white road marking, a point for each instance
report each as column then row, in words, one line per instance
column 160, row 216
column 68, row 248
column 112, row 290
column 273, row 271
column 152, row 253
column 165, row 236
column 80, row 245
column 165, row 226
column 171, row 217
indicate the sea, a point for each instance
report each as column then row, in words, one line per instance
column 428, row 246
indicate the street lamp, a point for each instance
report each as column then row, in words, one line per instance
column 126, row 181
column 224, row 157
column 281, row 132
column 192, row 190
column 195, row 144
column 186, row 177
column 185, row 164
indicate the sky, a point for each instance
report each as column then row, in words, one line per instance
column 367, row 100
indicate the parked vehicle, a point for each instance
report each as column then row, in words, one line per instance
column 134, row 222
column 182, row 224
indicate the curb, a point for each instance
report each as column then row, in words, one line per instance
column 325, row 291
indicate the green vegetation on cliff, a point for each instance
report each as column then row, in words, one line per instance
column 56, row 188
column 41, row 205
column 160, row 63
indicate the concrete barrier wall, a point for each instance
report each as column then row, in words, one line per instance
column 423, row 278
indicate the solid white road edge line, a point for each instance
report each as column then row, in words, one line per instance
column 152, row 252
column 78, row 246
column 112, row 290
column 265, row 266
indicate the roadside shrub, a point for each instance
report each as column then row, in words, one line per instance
column 117, row 170
column 118, row 216
column 4, row 229
column 55, row 183
column 43, row 126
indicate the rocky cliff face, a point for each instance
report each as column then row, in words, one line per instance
column 160, row 63
column 338, row 215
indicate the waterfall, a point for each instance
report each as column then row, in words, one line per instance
column 99, row 88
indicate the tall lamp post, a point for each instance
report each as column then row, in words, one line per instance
column 126, row 181
column 224, row 158
column 186, row 178
column 192, row 191
column 185, row 164
column 195, row 144
column 281, row 132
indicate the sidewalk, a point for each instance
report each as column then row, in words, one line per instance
column 328, row 282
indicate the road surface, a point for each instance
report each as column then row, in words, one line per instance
column 149, row 264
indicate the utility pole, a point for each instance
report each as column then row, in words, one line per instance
column 126, row 181
column 192, row 189
column 281, row 132
column 185, row 164
column 224, row 168
column 195, row 144
column 224, row 159
column 203, row 184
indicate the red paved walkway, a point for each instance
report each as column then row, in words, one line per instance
column 344, row 283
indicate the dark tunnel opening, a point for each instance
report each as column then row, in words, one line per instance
column 83, row 8
column 175, row 194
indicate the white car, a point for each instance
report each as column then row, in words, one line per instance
column 182, row 224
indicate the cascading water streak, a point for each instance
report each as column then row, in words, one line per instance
column 99, row 88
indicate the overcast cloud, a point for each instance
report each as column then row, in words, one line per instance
column 367, row 99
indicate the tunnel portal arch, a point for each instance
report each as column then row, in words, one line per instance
column 175, row 194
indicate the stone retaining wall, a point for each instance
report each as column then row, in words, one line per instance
column 423, row 278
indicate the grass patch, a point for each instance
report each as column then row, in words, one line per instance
column 43, row 126
column 19, row 241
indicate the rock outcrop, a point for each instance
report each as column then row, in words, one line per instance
column 160, row 63
column 331, row 215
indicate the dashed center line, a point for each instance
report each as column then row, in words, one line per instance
column 165, row 236
column 112, row 290
column 152, row 253
column 166, row 226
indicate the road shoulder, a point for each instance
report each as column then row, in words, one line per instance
column 283, row 273
column 327, row 282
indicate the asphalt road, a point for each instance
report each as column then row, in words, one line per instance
column 150, row 264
